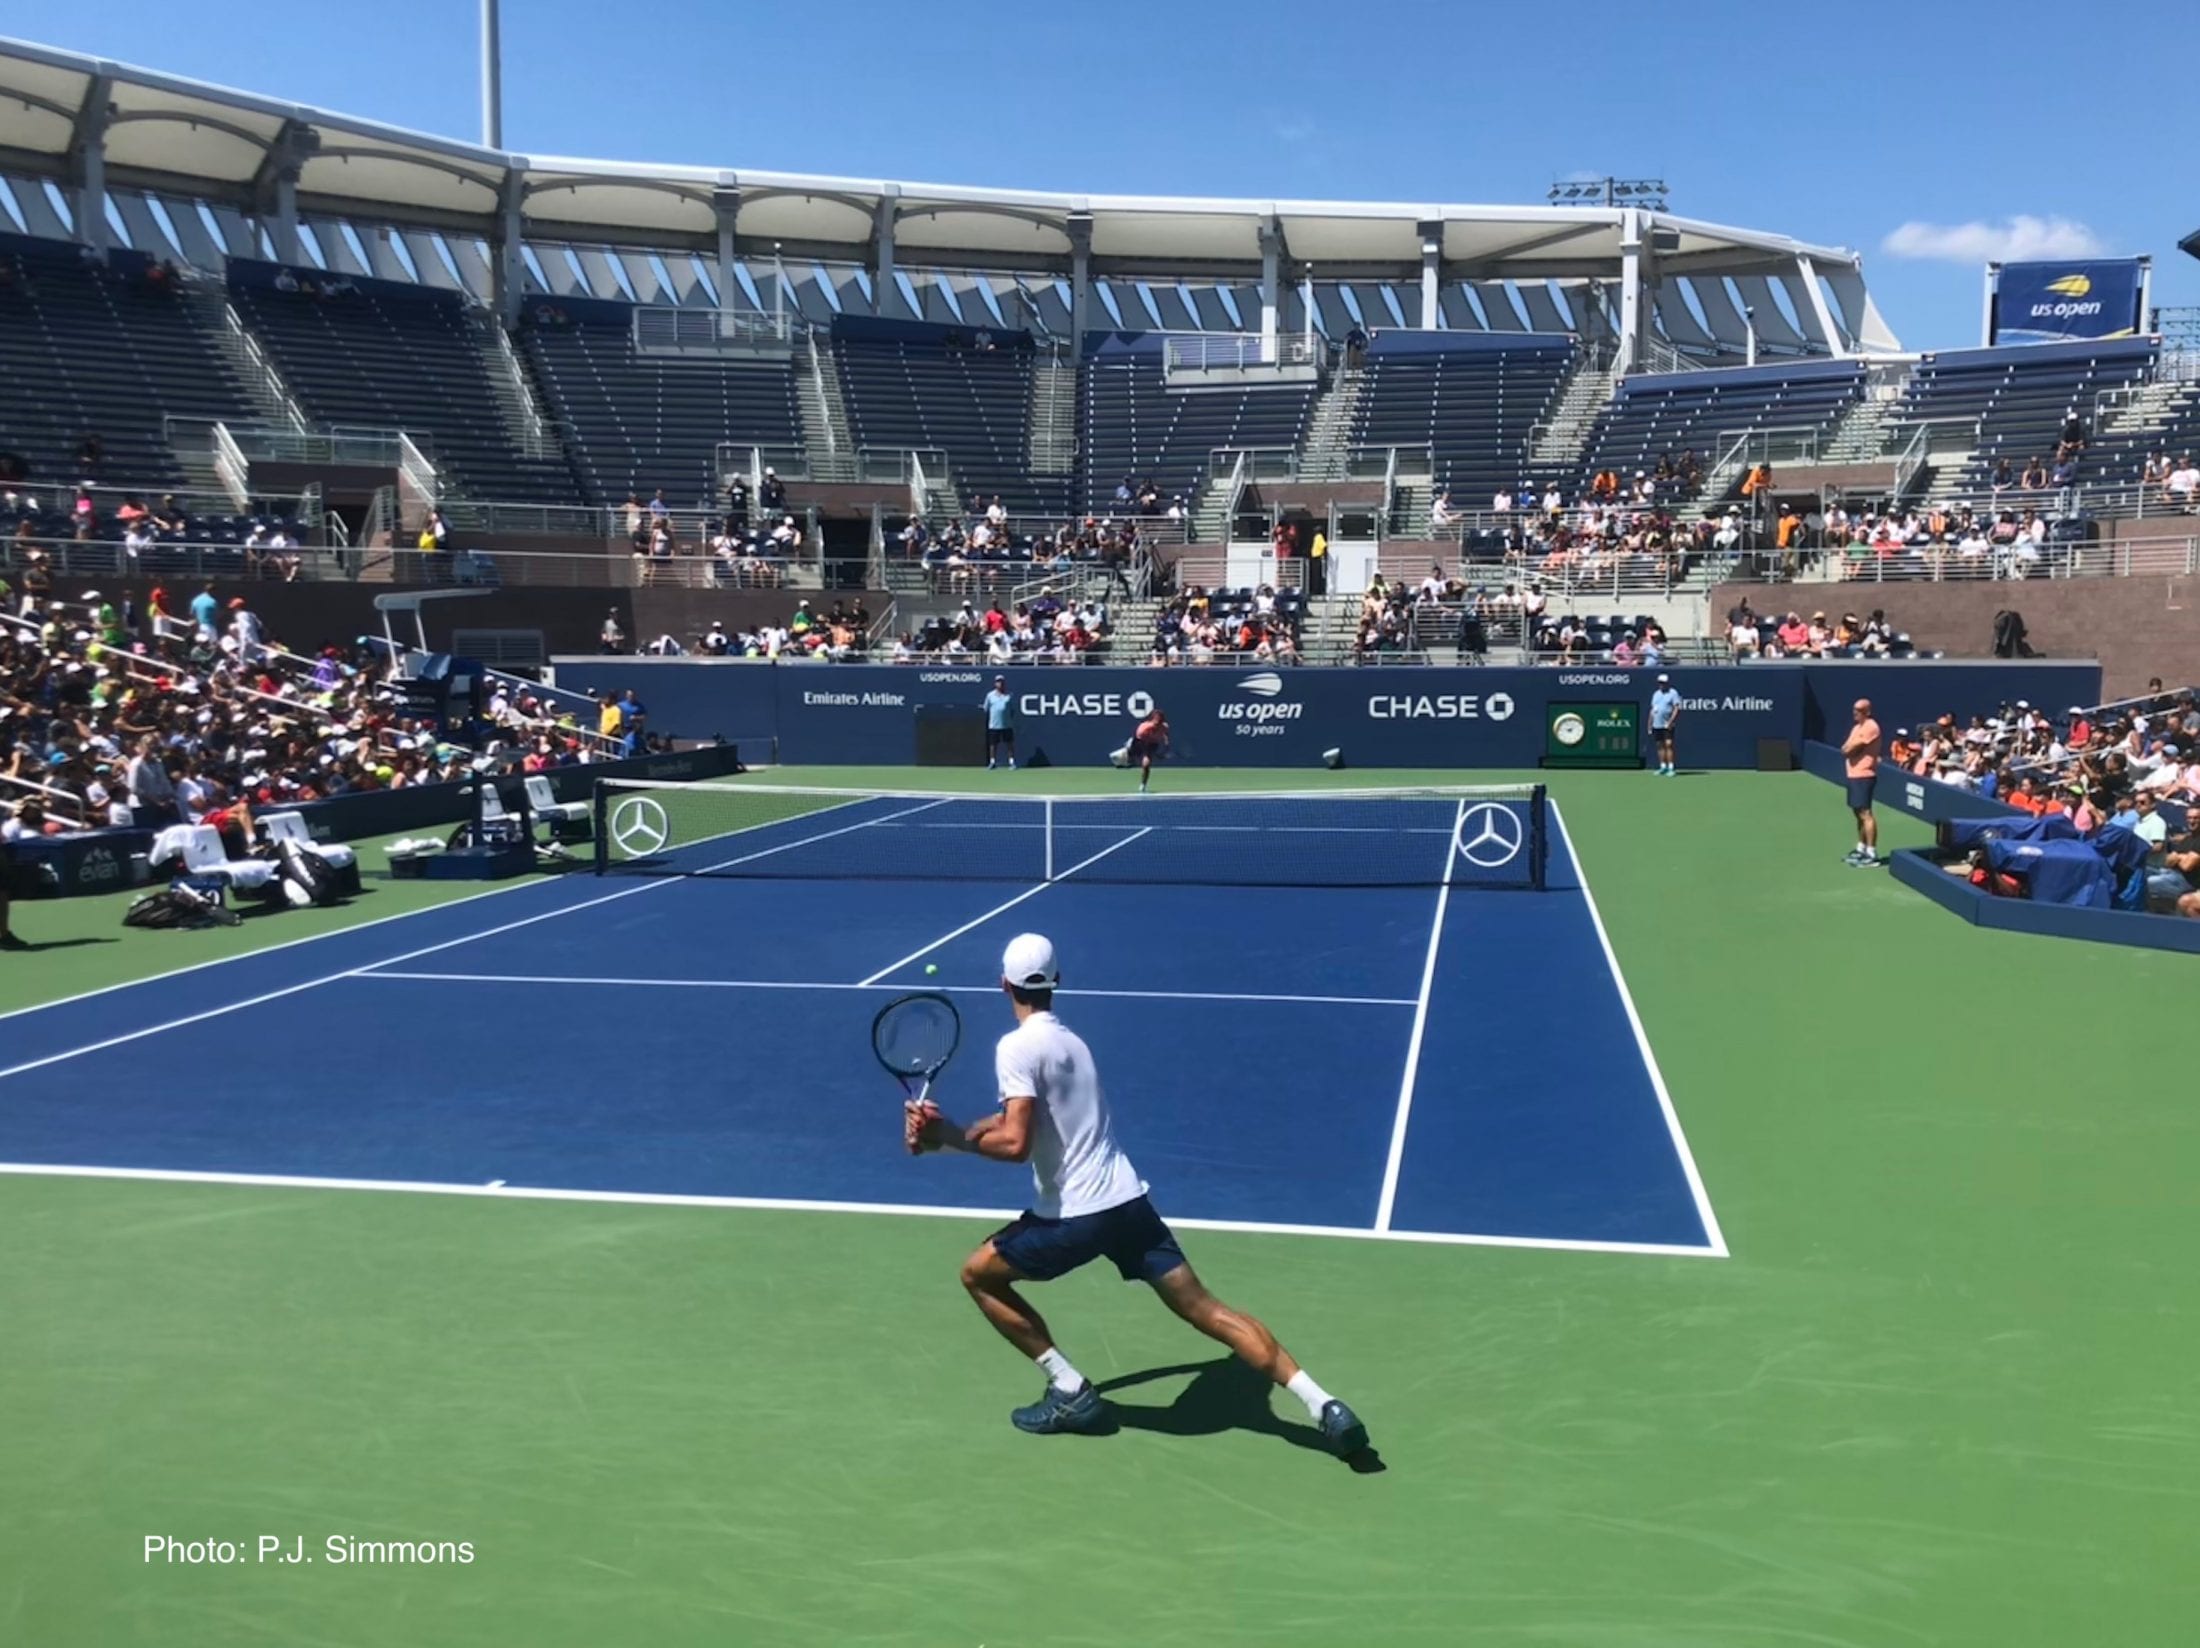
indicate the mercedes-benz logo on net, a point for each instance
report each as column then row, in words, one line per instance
column 1490, row 835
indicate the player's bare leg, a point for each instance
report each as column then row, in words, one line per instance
column 1248, row 1336
column 1071, row 1403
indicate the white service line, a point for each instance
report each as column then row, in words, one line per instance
column 1008, row 904
column 1388, row 1201
column 433, row 949
column 784, row 1204
column 947, row 989
column 1704, row 1214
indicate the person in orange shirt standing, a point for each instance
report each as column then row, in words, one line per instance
column 1860, row 753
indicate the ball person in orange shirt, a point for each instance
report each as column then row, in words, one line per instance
column 1860, row 755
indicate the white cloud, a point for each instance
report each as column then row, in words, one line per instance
column 2021, row 237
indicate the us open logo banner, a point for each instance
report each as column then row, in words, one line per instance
column 2061, row 302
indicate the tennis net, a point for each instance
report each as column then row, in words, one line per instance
column 1467, row 836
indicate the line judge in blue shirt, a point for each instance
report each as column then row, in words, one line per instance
column 1665, row 714
column 1000, row 725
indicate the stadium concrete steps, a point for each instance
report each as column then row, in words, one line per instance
column 1053, row 438
column 1329, row 427
column 211, row 312
column 827, row 435
column 2153, row 405
column 1861, row 431
column 1558, row 447
column 526, row 419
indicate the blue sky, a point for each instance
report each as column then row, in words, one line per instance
column 1929, row 135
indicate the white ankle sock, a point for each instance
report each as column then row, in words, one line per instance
column 1303, row 1387
column 1059, row 1373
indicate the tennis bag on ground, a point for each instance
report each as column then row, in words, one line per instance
column 178, row 906
column 306, row 879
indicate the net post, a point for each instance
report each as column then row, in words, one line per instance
column 600, row 801
column 1539, row 840
column 1047, row 832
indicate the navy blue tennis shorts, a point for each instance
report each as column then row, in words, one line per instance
column 1860, row 795
column 1131, row 1235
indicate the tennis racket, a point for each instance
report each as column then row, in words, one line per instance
column 914, row 1037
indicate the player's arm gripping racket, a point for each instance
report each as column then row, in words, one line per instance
column 914, row 1037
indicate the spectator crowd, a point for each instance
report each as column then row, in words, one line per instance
column 2135, row 765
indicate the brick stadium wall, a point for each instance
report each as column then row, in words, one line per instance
column 2137, row 627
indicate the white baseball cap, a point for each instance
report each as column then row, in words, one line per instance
column 1028, row 962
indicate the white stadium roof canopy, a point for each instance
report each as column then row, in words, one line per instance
column 178, row 140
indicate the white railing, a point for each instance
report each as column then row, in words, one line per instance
column 270, row 380
column 232, row 467
column 416, row 471
column 535, row 438
column 1193, row 353
column 664, row 331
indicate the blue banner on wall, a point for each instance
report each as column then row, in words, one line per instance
column 2059, row 302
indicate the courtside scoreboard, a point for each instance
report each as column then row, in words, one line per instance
column 1593, row 735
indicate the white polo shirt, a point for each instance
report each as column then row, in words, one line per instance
column 1076, row 1167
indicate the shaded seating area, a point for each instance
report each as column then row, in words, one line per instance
column 380, row 355
column 1474, row 400
column 634, row 423
column 1131, row 424
column 104, row 346
column 962, row 390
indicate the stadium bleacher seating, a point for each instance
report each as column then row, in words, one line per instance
column 634, row 423
column 1652, row 416
column 913, row 385
column 108, row 347
column 1130, row 423
column 377, row 354
column 1474, row 400
column 2019, row 396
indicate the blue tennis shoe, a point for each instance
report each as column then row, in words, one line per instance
column 1342, row 1432
column 1084, row 1414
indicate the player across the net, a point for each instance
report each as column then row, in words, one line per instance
column 1468, row 836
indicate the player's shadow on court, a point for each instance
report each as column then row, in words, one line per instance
column 1224, row 1395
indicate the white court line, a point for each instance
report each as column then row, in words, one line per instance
column 780, row 1204
column 1388, row 1201
column 432, row 949
column 1009, row 904
column 1709, row 1219
column 524, row 884
column 946, row 989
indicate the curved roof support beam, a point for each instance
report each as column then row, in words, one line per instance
column 1274, row 254
column 886, row 298
column 1432, row 271
column 275, row 187
column 507, row 240
column 87, row 162
column 725, row 211
column 1080, row 281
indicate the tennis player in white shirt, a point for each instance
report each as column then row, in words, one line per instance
column 1089, row 1203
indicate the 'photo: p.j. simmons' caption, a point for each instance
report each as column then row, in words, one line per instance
column 298, row 1551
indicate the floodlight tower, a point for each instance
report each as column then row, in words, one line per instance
column 492, row 79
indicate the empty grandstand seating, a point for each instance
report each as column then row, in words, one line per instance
column 634, row 422
column 378, row 354
column 1474, row 400
column 911, row 385
column 1130, row 423
column 105, row 347
column 2019, row 396
column 1655, row 415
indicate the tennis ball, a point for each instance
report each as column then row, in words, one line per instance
column 930, row 968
